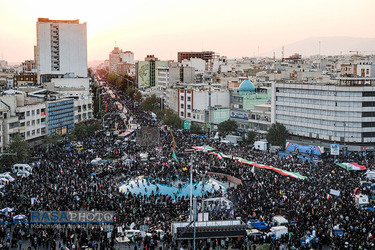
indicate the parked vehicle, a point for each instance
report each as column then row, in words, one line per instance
column 278, row 231
column 7, row 176
column 21, row 167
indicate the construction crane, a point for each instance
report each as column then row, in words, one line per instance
column 360, row 51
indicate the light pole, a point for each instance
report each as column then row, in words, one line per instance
column 344, row 140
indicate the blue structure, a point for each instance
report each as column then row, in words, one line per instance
column 60, row 116
column 307, row 149
column 246, row 85
column 145, row 187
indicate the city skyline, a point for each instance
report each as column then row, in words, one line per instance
column 244, row 28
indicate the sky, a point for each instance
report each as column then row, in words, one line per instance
column 234, row 28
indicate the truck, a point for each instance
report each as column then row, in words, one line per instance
column 280, row 220
column 233, row 139
column 261, row 145
column 278, row 231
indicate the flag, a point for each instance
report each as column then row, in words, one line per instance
column 351, row 166
column 253, row 170
column 370, row 236
column 328, row 196
column 260, row 184
column 219, row 156
column 285, row 197
column 72, row 236
column 174, row 156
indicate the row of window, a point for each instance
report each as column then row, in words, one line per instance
column 54, row 117
column 54, row 104
column 299, row 129
column 309, row 121
column 320, row 112
column 188, row 98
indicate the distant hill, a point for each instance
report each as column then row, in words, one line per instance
column 328, row 46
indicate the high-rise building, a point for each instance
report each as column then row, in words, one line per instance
column 61, row 49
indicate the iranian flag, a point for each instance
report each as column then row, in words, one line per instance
column 72, row 236
column 260, row 184
column 204, row 148
column 219, row 156
column 328, row 196
column 351, row 166
column 370, row 236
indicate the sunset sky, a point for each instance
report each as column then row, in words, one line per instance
column 232, row 28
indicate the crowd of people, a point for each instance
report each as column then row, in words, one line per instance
column 66, row 180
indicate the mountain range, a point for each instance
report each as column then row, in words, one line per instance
column 326, row 46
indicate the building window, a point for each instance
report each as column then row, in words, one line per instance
column 27, row 113
column 38, row 130
column 28, row 133
column 33, row 112
column 189, row 115
column 38, row 111
column 38, row 121
column 28, row 123
column 182, row 106
column 189, row 98
column 188, row 107
column 33, row 132
column 182, row 113
column 33, row 122
column 182, row 98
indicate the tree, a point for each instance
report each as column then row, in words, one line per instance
column 80, row 131
column 168, row 117
column 227, row 127
column 112, row 78
column 93, row 127
column 196, row 129
column 137, row 96
column 151, row 104
column 277, row 134
column 251, row 135
column 20, row 147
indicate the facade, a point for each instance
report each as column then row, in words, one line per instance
column 24, row 80
column 61, row 49
column 32, row 121
column 203, row 105
column 205, row 55
column 147, row 73
column 60, row 116
column 250, row 107
column 83, row 109
column 326, row 113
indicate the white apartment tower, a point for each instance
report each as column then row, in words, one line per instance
column 61, row 49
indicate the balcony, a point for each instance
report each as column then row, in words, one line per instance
column 22, row 128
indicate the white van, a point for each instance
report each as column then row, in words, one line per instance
column 21, row 167
column 280, row 220
column 6, row 176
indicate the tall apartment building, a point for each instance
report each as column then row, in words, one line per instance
column 205, row 55
column 61, row 49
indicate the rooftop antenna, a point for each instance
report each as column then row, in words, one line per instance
column 282, row 53
column 274, row 57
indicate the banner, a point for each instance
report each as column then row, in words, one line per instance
column 335, row 149
column 335, row 192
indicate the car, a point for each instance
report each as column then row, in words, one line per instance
column 23, row 173
column 108, row 133
column 21, row 167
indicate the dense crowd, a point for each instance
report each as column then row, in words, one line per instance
column 66, row 180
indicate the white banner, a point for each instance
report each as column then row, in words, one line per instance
column 335, row 192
